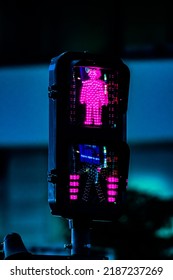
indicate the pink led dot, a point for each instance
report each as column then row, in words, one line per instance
column 112, row 186
column 111, row 199
column 74, row 177
column 73, row 190
column 112, row 193
column 73, row 197
column 112, row 179
column 74, row 184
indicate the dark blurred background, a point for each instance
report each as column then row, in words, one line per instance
column 33, row 32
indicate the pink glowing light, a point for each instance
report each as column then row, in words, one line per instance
column 112, row 179
column 74, row 177
column 94, row 94
column 73, row 190
column 112, row 186
column 112, row 193
column 111, row 199
column 99, row 169
column 73, row 197
column 74, row 184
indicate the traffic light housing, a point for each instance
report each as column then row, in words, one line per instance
column 88, row 156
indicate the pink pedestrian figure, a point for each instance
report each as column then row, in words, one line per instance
column 94, row 94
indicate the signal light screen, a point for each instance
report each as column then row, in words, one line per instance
column 94, row 97
column 94, row 174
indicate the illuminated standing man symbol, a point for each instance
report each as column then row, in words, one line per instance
column 94, row 94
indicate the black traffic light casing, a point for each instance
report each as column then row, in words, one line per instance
column 88, row 157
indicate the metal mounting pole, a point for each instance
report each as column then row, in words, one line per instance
column 80, row 237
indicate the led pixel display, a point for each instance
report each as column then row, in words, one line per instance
column 94, row 97
column 94, row 174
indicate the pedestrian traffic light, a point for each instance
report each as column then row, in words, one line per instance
column 88, row 157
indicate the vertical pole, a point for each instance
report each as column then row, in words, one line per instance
column 80, row 237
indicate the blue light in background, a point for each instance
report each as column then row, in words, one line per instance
column 150, row 107
column 154, row 184
column 24, row 105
